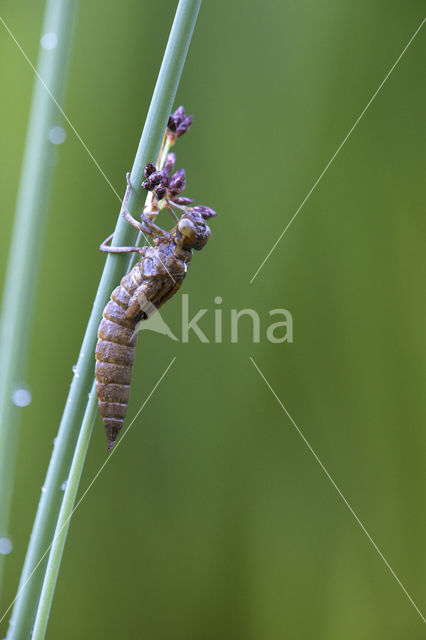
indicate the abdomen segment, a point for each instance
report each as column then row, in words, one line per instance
column 114, row 357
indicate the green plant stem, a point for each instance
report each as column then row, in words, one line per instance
column 63, row 523
column 116, row 265
column 27, row 240
column 72, row 484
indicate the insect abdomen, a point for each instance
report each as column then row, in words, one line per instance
column 114, row 356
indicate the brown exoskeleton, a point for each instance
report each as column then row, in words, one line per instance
column 150, row 283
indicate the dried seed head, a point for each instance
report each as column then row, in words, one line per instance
column 149, row 169
column 183, row 201
column 152, row 181
column 170, row 162
column 177, row 182
column 206, row 212
column 183, row 126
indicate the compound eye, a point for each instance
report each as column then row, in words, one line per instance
column 187, row 229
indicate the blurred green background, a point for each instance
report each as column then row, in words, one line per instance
column 213, row 520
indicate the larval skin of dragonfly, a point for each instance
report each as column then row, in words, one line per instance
column 151, row 282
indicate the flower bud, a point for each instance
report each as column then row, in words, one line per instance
column 183, row 126
column 175, row 119
column 183, row 201
column 160, row 192
column 152, row 181
column 170, row 162
column 177, row 182
column 149, row 169
column 164, row 176
column 206, row 212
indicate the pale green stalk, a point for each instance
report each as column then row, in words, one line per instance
column 63, row 523
column 27, row 237
column 47, row 515
column 72, row 484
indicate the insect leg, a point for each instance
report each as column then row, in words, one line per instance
column 154, row 228
column 147, row 225
column 130, row 219
column 178, row 206
column 128, row 216
column 105, row 247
